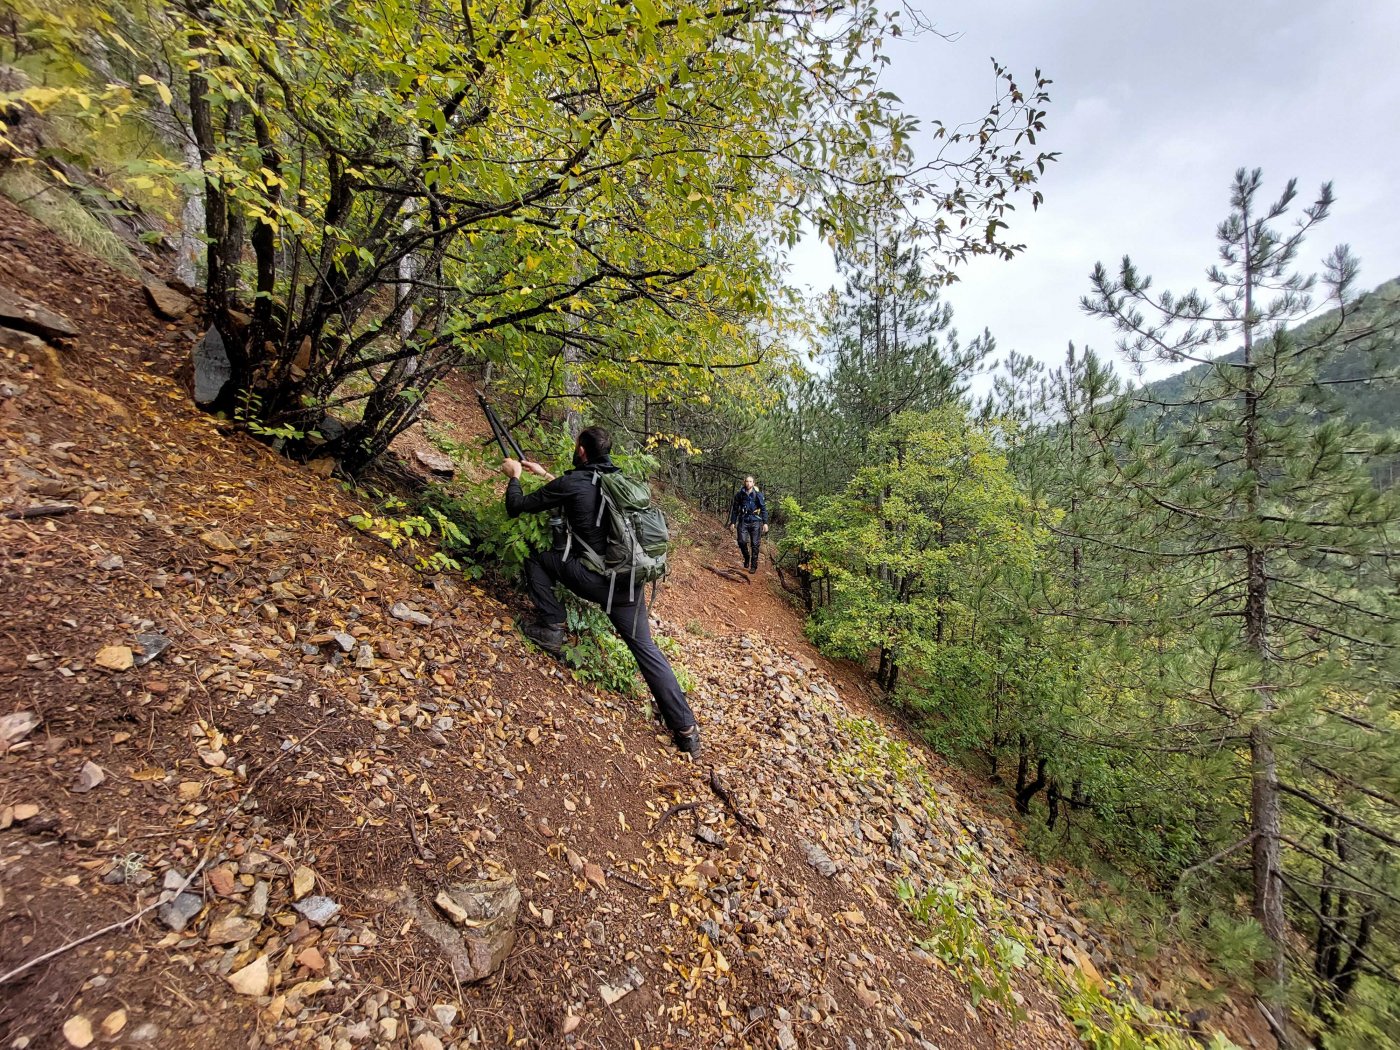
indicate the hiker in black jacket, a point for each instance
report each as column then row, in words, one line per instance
column 750, row 514
column 575, row 495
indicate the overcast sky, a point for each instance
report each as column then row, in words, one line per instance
column 1153, row 107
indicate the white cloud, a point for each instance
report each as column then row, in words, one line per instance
column 1154, row 106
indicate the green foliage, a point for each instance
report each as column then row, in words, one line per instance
column 569, row 191
column 872, row 754
column 1113, row 1018
column 410, row 532
column 492, row 536
column 57, row 209
column 1177, row 605
column 983, row 955
column 1262, row 556
column 598, row 655
column 914, row 540
column 248, row 411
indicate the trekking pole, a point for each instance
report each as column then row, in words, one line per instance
column 510, row 448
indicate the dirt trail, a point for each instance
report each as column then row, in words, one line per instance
column 300, row 738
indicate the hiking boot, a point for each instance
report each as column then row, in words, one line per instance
column 688, row 741
column 547, row 636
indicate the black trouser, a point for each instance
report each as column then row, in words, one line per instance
column 628, row 616
column 749, row 534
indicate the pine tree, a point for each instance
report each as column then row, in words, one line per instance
column 1281, row 548
column 892, row 344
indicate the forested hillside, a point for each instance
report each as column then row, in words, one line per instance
column 1355, row 390
column 1165, row 619
column 1090, row 728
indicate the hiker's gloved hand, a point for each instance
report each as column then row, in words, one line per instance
column 537, row 470
column 765, row 530
column 510, row 467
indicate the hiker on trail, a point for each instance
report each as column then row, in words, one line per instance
column 750, row 514
column 578, row 496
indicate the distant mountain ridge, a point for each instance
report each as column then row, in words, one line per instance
column 1375, row 402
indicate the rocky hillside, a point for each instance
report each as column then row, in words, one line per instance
column 262, row 784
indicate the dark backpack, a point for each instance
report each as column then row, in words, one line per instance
column 637, row 538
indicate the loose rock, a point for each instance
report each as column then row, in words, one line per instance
column 436, row 462
column 89, row 777
column 177, row 913
column 402, row 612
column 24, row 315
column 252, row 979
column 232, row 928
column 15, row 727
column 317, row 910
column 818, row 858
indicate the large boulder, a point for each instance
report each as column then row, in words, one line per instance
column 436, row 462
column 164, row 300
column 212, row 370
column 24, row 315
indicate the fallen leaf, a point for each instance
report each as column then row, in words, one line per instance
column 594, row 874
column 306, row 989
column 25, row 810
column 113, row 1023
column 571, row 1021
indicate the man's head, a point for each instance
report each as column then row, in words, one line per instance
column 748, row 482
column 594, row 444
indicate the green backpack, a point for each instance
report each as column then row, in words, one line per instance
column 638, row 540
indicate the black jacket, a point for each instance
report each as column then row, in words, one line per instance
column 748, row 506
column 575, row 493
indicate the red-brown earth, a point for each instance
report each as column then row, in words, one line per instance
column 258, row 764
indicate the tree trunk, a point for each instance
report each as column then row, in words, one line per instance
column 1026, row 792
column 191, row 223
column 573, row 389
column 1266, row 810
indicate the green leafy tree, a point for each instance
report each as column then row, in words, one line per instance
column 890, row 339
column 905, row 545
column 591, row 194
